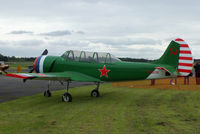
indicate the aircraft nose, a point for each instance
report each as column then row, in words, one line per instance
column 38, row 64
column 35, row 64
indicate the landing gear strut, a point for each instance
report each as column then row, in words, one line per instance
column 66, row 96
column 47, row 92
column 95, row 92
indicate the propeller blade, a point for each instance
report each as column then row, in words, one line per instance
column 30, row 71
column 45, row 52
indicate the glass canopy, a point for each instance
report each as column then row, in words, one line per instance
column 97, row 57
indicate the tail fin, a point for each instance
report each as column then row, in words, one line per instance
column 179, row 56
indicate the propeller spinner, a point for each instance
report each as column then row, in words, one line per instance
column 34, row 67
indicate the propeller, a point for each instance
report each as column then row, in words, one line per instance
column 31, row 69
column 45, row 52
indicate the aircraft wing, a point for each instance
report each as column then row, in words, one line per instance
column 60, row 76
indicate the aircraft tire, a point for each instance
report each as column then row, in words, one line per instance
column 95, row 93
column 67, row 97
column 47, row 93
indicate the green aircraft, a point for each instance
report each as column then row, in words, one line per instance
column 99, row 67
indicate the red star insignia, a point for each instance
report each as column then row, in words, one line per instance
column 104, row 71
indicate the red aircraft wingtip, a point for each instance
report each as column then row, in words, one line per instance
column 17, row 76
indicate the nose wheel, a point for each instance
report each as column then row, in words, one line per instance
column 66, row 96
column 47, row 93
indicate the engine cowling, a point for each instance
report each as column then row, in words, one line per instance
column 44, row 63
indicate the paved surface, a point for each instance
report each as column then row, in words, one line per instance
column 12, row 88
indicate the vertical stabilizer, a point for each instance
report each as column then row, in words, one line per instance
column 179, row 56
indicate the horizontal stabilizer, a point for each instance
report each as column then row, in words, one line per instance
column 164, row 71
column 162, row 68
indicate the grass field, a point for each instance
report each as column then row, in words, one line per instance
column 24, row 65
column 119, row 110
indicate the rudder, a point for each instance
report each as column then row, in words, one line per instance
column 185, row 62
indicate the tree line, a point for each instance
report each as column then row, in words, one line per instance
column 16, row 59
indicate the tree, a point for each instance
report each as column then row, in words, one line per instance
column 1, row 57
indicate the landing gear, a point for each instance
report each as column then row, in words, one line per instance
column 66, row 96
column 95, row 92
column 47, row 93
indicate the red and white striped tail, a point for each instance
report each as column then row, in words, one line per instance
column 185, row 63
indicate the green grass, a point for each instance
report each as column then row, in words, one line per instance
column 117, row 111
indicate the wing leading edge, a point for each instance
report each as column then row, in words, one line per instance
column 64, row 76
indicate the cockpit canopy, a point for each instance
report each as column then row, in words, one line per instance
column 84, row 56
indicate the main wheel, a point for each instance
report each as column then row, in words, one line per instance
column 95, row 93
column 67, row 97
column 47, row 93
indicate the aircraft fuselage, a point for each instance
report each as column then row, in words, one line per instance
column 104, row 71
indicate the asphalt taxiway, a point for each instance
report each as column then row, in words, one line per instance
column 12, row 88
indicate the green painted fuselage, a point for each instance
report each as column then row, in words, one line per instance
column 109, row 68
column 119, row 71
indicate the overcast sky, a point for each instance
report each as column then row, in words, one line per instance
column 125, row 28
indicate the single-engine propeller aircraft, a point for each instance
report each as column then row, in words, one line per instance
column 98, row 67
column 3, row 67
